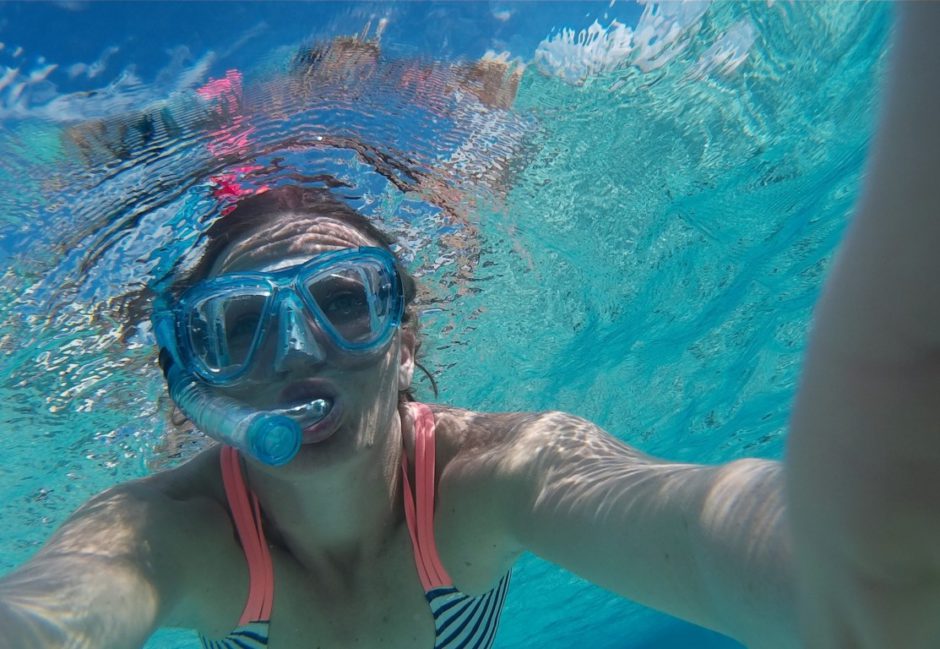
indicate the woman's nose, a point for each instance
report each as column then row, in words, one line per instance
column 297, row 340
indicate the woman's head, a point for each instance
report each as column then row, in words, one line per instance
column 292, row 230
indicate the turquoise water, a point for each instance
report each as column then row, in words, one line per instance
column 638, row 239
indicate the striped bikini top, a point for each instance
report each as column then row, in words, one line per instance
column 461, row 621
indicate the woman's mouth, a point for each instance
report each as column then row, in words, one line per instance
column 314, row 408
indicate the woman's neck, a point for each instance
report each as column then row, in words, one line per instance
column 337, row 516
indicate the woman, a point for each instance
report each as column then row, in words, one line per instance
column 380, row 485
column 395, row 524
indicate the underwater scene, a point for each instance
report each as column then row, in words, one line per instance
column 622, row 210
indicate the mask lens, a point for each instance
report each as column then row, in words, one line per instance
column 223, row 329
column 354, row 298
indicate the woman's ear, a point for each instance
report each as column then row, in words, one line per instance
column 406, row 359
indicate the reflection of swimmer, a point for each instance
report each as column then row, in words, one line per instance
column 232, row 135
column 100, row 141
column 472, row 97
column 396, row 523
column 438, row 87
column 492, row 79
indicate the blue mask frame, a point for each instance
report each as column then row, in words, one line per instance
column 282, row 293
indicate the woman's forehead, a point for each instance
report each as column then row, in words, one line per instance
column 294, row 236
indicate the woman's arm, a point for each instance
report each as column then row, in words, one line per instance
column 705, row 543
column 863, row 466
column 106, row 579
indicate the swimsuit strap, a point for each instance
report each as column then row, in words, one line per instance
column 247, row 516
column 419, row 505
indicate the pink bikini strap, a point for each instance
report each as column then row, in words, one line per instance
column 419, row 505
column 247, row 515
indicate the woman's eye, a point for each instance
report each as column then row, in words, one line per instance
column 243, row 327
column 345, row 303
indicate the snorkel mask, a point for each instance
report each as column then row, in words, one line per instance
column 241, row 328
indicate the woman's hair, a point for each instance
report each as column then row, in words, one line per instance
column 273, row 205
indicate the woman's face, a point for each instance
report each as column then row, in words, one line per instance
column 363, row 392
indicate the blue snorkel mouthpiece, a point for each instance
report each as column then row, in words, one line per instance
column 268, row 437
column 274, row 439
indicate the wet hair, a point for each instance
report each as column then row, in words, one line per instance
column 273, row 205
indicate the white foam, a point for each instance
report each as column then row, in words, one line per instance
column 31, row 93
column 659, row 36
column 40, row 74
column 502, row 15
column 95, row 69
column 8, row 76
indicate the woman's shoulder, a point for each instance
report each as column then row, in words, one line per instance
column 173, row 507
column 471, row 433
column 509, row 450
column 175, row 510
column 463, row 433
column 494, row 450
column 181, row 515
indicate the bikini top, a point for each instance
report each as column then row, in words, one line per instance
column 460, row 620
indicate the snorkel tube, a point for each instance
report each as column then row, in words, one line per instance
column 266, row 436
column 269, row 437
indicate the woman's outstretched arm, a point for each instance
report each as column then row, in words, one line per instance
column 708, row 544
column 126, row 562
column 90, row 585
column 863, row 466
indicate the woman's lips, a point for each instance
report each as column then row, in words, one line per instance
column 315, row 428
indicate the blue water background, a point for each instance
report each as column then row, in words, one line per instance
column 652, row 265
